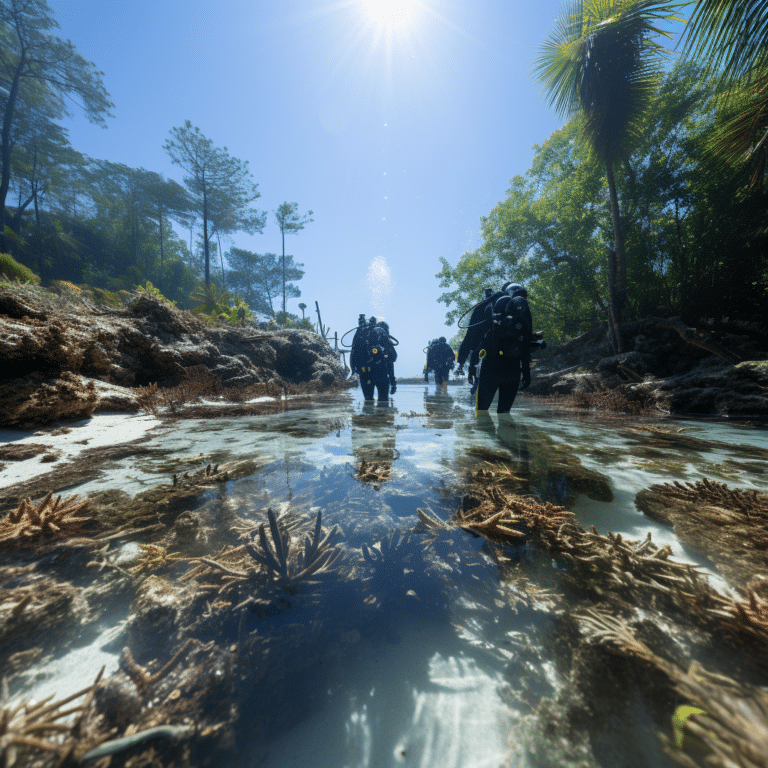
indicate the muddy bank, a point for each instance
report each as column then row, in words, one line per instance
column 69, row 360
column 668, row 367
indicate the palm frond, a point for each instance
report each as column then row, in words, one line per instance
column 601, row 60
column 730, row 35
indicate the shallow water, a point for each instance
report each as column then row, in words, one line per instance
column 428, row 684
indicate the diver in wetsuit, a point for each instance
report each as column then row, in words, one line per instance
column 427, row 364
column 505, row 348
column 390, row 356
column 475, row 329
column 375, row 361
column 357, row 354
column 442, row 360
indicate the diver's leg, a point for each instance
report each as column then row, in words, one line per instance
column 367, row 386
column 507, row 394
column 486, row 389
column 382, row 386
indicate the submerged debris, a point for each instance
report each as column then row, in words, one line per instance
column 373, row 473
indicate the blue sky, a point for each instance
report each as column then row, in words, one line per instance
column 398, row 133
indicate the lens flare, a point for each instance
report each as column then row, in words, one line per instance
column 380, row 283
column 389, row 13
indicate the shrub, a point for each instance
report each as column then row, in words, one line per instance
column 151, row 290
column 107, row 298
column 63, row 286
column 10, row 269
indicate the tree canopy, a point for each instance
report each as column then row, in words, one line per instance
column 43, row 72
column 220, row 186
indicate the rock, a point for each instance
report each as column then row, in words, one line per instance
column 154, row 622
column 673, row 368
column 34, row 401
column 151, row 342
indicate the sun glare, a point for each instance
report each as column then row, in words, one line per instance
column 389, row 13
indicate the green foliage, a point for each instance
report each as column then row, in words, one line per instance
column 64, row 286
column 599, row 62
column 259, row 278
column 289, row 320
column 696, row 241
column 151, row 290
column 11, row 270
column 109, row 298
column 239, row 311
column 213, row 302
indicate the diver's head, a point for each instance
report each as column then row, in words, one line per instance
column 372, row 322
column 382, row 324
column 442, row 339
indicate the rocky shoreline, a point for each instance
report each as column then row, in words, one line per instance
column 668, row 368
column 66, row 359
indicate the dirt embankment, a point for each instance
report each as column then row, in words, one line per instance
column 67, row 360
column 667, row 366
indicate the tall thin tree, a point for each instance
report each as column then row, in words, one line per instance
column 290, row 222
column 33, row 58
column 602, row 63
column 217, row 182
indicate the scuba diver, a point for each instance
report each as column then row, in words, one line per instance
column 357, row 350
column 390, row 356
column 500, row 335
column 428, row 351
column 372, row 357
column 440, row 359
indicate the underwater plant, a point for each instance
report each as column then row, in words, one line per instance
column 49, row 519
column 27, row 728
column 373, row 473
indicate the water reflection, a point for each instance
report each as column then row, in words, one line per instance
column 439, row 408
column 400, row 658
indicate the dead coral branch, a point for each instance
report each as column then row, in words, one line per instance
column 47, row 520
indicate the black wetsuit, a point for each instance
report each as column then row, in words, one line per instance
column 441, row 362
column 377, row 369
column 505, row 352
column 478, row 325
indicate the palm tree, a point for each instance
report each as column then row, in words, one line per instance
column 731, row 39
column 601, row 63
column 302, row 307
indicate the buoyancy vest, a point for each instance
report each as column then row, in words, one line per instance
column 358, row 354
column 442, row 355
column 508, row 332
column 379, row 352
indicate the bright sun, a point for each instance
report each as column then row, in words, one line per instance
column 389, row 13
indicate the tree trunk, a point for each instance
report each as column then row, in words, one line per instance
column 160, row 220
column 205, row 237
column 617, row 278
column 221, row 259
column 5, row 146
column 283, row 232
